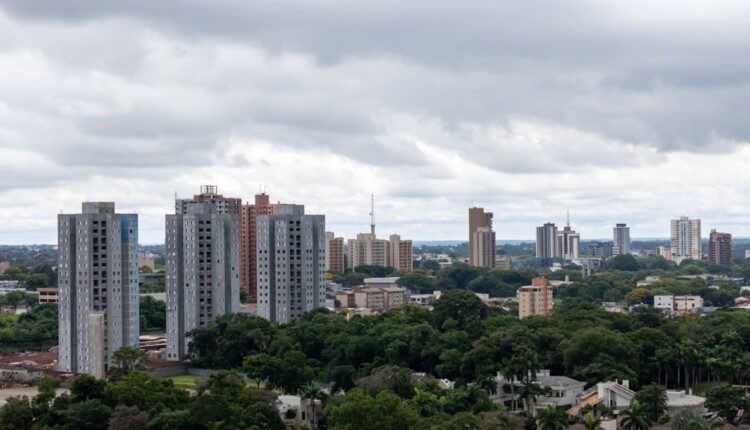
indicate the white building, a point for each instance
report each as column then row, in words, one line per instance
column 678, row 304
column 686, row 239
column 564, row 391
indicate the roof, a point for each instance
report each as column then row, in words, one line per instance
column 392, row 289
column 559, row 382
column 391, row 280
column 678, row 399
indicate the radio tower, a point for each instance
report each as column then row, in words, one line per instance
column 372, row 214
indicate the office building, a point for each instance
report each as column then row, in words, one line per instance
column 248, row 241
column 399, row 253
column 720, row 248
column 568, row 242
column 503, row 262
column 291, row 263
column 621, row 240
column 97, row 287
column 481, row 238
column 546, row 241
column 535, row 299
column 601, row 250
column 334, row 253
column 664, row 251
column 686, row 239
column 202, row 256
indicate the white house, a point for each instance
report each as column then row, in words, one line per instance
column 564, row 391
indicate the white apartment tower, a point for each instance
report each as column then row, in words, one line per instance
column 98, row 287
column 686, row 239
column 291, row 263
column 202, row 256
column 621, row 240
column 568, row 242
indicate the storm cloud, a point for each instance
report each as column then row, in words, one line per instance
column 619, row 111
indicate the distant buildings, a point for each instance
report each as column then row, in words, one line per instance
column 546, row 241
column 98, row 287
column 291, row 263
column 146, row 260
column 481, row 238
column 535, row 299
column 334, row 253
column 368, row 250
column 601, row 250
column 568, row 243
column 621, row 240
column 686, row 239
column 503, row 262
column 249, row 214
column 720, row 248
column 202, row 259
column 670, row 304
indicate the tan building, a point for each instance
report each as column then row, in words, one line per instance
column 249, row 241
column 481, row 238
column 5, row 265
column 664, row 251
column 535, row 299
column 399, row 253
column 503, row 262
column 334, row 253
column 371, row 298
column 687, row 303
column 393, row 297
column 48, row 295
column 367, row 250
column 145, row 260
column 346, row 298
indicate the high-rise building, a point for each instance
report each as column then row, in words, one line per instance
column 686, row 239
column 291, row 263
column 98, row 287
column 399, row 253
column 368, row 250
column 535, row 299
column 248, row 241
column 568, row 242
column 334, row 253
column 202, row 256
column 481, row 238
column 546, row 241
column 720, row 248
column 621, row 239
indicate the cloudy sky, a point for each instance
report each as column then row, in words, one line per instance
column 631, row 111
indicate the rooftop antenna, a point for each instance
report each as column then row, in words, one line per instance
column 568, row 218
column 372, row 214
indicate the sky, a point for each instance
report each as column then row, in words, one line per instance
column 620, row 111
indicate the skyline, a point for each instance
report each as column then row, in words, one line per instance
column 621, row 112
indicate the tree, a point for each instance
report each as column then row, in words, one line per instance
column 262, row 416
column 638, row 296
column 313, row 393
column 551, row 418
column 293, row 374
column 635, row 417
column 261, row 367
column 726, row 401
column 128, row 418
column 129, row 358
column 653, row 400
column 87, row 387
column 462, row 306
column 386, row 411
column 591, row 422
column 625, row 262
column 89, row 414
column 16, row 414
column 417, row 281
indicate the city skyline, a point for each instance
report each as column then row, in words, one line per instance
column 616, row 111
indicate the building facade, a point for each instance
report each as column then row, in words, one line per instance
column 481, row 238
column 535, row 299
column 546, row 241
column 720, row 248
column 621, row 240
column 291, row 263
column 399, row 253
column 334, row 253
column 368, row 250
column 203, row 264
column 98, row 282
column 686, row 239
column 248, row 241
column 568, row 243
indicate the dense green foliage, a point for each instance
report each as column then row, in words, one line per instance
column 33, row 327
column 137, row 400
column 153, row 314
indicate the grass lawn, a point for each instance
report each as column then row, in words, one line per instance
column 705, row 387
column 186, row 381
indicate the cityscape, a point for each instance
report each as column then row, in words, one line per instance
column 374, row 215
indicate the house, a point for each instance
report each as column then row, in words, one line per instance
column 679, row 400
column 303, row 410
column 612, row 394
column 563, row 391
column 18, row 372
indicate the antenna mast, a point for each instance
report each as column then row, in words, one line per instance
column 568, row 217
column 372, row 214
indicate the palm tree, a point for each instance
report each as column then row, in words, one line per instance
column 591, row 422
column 511, row 369
column 313, row 392
column 551, row 418
column 635, row 418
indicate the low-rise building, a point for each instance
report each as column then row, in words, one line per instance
column 422, row 299
column 614, row 395
column 346, row 299
column 563, row 391
column 680, row 400
column 370, row 298
column 48, row 295
column 19, row 373
column 678, row 304
column 393, row 297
